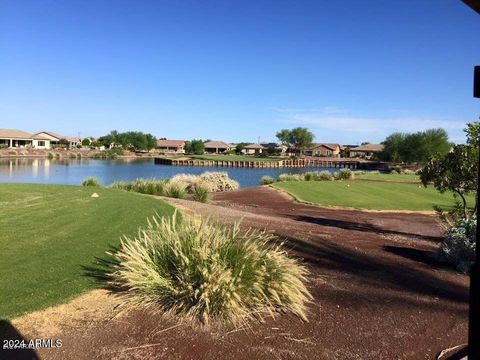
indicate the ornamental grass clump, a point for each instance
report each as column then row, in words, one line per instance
column 219, row 181
column 290, row 177
column 143, row 186
column 91, row 181
column 200, row 193
column 266, row 180
column 175, row 189
column 205, row 272
column 318, row 176
column 343, row 174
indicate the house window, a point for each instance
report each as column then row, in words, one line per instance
column 41, row 143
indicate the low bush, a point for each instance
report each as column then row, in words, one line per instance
column 91, row 181
column 219, row 181
column 308, row 176
column 200, row 193
column 50, row 155
column 290, row 177
column 458, row 247
column 72, row 156
column 143, row 186
column 175, row 189
column 209, row 273
column 320, row 175
column 343, row 174
column 266, row 180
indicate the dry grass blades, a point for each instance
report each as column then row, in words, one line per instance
column 210, row 273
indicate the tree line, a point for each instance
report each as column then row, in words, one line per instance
column 416, row 147
column 130, row 140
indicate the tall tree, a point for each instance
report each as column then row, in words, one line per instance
column 195, row 146
column 298, row 138
column 416, row 147
column 456, row 170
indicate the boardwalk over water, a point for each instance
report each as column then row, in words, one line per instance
column 286, row 163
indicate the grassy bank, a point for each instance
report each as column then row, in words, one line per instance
column 406, row 178
column 372, row 195
column 49, row 232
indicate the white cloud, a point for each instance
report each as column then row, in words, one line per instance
column 339, row 120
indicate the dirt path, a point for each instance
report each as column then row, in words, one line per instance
column 378, row 294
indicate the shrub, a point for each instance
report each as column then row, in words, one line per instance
column 290, row 177
column 121, row 185
column 143, row 186
column 308, row 176
column 91, row 181
column 72, row 156
column 3, row 146
column 458, row 248
column 175, row 189
column 50, row 155
column 266, row 180
column 188, row 179
column 318, row 176
column 200, row 193
column 210, row 273
column 343, row 174
column 219, row 181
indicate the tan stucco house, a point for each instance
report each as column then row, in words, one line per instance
column 216, row 147
column 13, row 138
column 365, row 151
column 253, row 149
column 324, row 149
column 175, row 146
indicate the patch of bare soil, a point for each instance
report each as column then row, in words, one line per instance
column 378, row 294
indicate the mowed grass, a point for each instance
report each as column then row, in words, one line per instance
column 50, row 232
column 371, row 195
column 233, row 158
column 408, row 178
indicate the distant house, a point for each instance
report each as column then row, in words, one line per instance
column 277, row 148
column 12, row 138
column 253, row 149
column 324, row 149
column 55, row 138
column 172, row 146
column 365, row 151
column 216, row 147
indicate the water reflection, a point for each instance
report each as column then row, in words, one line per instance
column 73, row 171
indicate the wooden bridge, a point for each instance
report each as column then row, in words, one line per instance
column 287, row 163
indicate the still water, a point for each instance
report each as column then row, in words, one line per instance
column 74, row 171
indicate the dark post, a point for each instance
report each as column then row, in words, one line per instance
column 474, row 316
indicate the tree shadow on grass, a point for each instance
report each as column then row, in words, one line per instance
column 357, row 226
column 9, row 332
column 99, row 271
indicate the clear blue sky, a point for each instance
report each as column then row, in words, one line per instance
column 351, row 71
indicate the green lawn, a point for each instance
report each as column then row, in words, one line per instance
column 49, row 232
column 389, row 177
column 233, row 158
column 374, row 195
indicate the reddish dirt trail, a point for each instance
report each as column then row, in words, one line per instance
column 378, row 293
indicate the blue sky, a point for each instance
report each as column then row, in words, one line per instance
column 351, row 71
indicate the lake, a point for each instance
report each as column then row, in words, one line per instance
column 74, row 171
